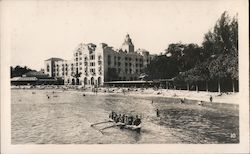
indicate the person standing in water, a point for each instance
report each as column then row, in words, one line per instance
column 137, row 121
column 157, row 113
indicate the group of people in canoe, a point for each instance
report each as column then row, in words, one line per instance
column 127, row 120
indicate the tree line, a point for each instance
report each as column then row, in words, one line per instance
column 19, row 71
column 212, row 63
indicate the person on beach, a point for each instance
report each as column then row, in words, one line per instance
column 211, row 98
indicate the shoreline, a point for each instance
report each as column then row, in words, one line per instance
column 229, row 98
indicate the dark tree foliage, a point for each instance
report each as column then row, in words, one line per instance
column 225, row 49
column 162, row 67
column 178, row 58
column 215, row 60
column 19, row 71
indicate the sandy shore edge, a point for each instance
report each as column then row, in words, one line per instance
column 230, row 98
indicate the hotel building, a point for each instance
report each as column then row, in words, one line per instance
column 95, row 64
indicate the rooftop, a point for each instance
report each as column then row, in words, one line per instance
column 54, row 59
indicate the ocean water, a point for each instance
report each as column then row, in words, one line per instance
column 65, row 118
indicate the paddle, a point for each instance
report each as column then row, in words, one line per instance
column 111, row 126
column 100, row 123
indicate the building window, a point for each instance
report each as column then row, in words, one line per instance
column 92, row 64
column 47, row 68
column 80, row 58
column 126, row 71
column 80, row 68
column 92, row 71
column 92, row 57
column 126, row 58
column 99, row 57
column 76, row 54
column 119, row 58
column 126, row 64
column 109, row 59
column 80, row 63
column 119, row 63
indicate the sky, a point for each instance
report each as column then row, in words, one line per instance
column 39, row 30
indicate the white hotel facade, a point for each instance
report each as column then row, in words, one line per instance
column 94, row 65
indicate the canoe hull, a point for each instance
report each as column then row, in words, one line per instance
column 129, row 127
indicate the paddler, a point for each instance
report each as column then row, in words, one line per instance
column 137, row 121
column 130, row 120
column 117, row 118
column 122, row 119
column 126, row 119
column 113, row 115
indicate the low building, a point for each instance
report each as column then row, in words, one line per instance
column 35, row 78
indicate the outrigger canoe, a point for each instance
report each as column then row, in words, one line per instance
column 120, row 125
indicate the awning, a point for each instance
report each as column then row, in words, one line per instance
column 24, row 79
column 127, row 82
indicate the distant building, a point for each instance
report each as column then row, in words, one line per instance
column 94, row 65
column 50, row 66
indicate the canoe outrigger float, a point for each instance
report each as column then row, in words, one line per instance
column 120, row 125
